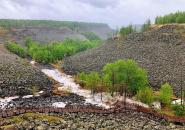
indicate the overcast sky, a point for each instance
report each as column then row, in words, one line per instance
column 116, row 13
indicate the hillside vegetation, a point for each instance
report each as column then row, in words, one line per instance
column 50, row 53
column 178, row 17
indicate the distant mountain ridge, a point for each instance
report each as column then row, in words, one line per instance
column 44, row 34
column 100, row 29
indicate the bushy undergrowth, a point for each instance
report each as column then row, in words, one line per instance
column 15, row 48
column 179, row 110
column 50, row 53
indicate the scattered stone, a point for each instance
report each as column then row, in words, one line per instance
column 127, row 120
column 41, row 101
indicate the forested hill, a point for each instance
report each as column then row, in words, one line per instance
column 101, row 29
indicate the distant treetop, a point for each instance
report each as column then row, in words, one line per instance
column 11, row 23
column 178, row 17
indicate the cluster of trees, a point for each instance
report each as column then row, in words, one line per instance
column 49, row 53
column 127, row 30
column 126, row 77
column 133, row 29
column 123, row 76
column 15, row 48
column 178, row 17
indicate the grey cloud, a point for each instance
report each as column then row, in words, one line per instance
column 101, row 3
column 114, row 12
column 23, row 2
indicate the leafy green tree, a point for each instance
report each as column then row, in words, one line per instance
column 127, row 73
column 92, row 79
column 107, row 83
column 110, row 71
column 145, row 95
column 166, row 94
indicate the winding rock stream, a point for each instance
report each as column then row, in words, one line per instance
column 67, row 83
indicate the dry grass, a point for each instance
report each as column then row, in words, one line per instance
column 59, row 93
column 58, row 66
column 167, row 111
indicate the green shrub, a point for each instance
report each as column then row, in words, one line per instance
column 145, row 95
column 179, row 110
column 166, row 94
column 16, row 49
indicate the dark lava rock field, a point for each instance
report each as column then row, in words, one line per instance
column 18, row 77
column 160, row 51
column 127, row 120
